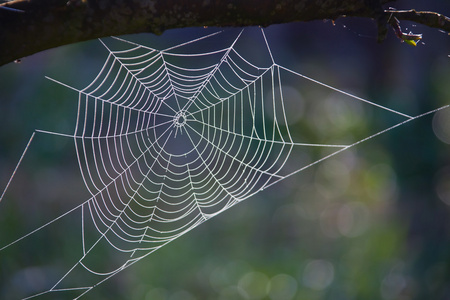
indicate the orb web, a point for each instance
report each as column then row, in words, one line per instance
column 167, row 139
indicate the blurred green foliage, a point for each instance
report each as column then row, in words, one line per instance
column 370, row 223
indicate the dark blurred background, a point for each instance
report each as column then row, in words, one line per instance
column 370, row 223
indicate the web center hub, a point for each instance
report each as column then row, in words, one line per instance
column 179, row 120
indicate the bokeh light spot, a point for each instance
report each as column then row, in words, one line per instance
column 282, row 287
column 441, row 125
column 253, row 285
column 318, row 274
column 353, row 219
column 442, row 185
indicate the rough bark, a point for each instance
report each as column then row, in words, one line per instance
column 30, row 26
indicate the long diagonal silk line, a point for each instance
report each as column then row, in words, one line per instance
column 17, row 167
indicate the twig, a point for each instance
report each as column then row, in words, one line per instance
column 12, row 9
column 428, row 18
column 409, row 38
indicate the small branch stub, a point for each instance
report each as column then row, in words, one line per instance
column 409, row 38
column 427, row 18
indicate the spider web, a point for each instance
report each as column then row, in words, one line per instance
column 167, row 139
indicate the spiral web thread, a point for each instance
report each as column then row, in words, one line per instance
column 163, row 146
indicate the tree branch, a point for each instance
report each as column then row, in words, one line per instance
column 427, row 18
column 30, row 26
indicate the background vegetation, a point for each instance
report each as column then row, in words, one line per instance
column 370, row 223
